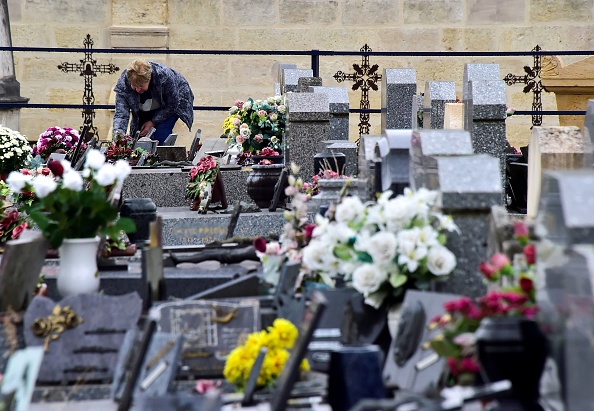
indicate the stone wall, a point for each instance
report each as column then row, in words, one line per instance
column 343, row 25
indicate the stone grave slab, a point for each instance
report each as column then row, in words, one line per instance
column 398, row 88
column 20, row 266
column 184, row 227
column 367, row 161
column 554, row 148
column 185, row 282
column 172, row 153
column 437, row 94
column 159, row 366
column 411, row 366
column 211, row 329
column 86, row 351
column 304, row 83
column 195, row 145
column 426, row 145
column 475, row 72
column 454, row 116
column 212, row 146
column 290, row 78
column 339, row 110
column 308, row 123
column 566, row 203
column 395, row 164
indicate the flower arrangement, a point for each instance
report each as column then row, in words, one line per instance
column 121, row 148
column 201, row 177
column 266, row 152
column 456, row 341
column 296, row 233
column 383, row 248
column 256, row 124
column 311, row 188
column 12, row 222
column 68, row 204
column 278, row 339
column 15, row 151
column 57, row 139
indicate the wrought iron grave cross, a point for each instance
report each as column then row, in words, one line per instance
column 532, row 83
column 365, row 78
column 88, row 68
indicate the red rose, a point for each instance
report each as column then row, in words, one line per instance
column 488, row 271
column 56, row 168
column 526, row 284
column 309, row 230
column 260, row 244
column 530, row 254
column 18, row 230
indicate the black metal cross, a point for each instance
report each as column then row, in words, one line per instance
column 365, row 78
column 88, row 68
column 532, row 83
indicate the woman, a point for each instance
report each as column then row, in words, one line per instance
column 156, row 95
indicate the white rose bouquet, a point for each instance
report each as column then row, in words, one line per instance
column 383, row 248
column 69, row 204
column 15, row 151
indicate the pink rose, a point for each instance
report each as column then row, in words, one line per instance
column 18, row 230
column 499, row 261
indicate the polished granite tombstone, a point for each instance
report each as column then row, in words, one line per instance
column 395, row 160
column 398, row 88
column 437, row 94
column 87, row 341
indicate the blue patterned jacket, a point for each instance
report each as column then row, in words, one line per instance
column 170, row 87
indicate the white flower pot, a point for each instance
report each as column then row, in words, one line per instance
column 78, row 272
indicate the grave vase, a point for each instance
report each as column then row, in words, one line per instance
column 78, row 272
column 261, row 182
column 515, row 349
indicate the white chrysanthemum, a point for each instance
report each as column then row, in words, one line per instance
column 368, row 278
column 95, row 159
column 106, row 175
column 72, row 180
column 44, row 185
column 440, row 260
column 16, row 181
column 350, row 209
column 382, row 247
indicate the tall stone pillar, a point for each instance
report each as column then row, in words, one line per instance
column 10, row 89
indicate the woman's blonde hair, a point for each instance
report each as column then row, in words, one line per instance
column 139, row 72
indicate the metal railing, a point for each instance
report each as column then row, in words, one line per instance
column 314, row 55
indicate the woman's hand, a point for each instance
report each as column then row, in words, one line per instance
column 146, row 127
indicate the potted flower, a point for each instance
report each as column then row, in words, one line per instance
column 278, row 339
column 256, row 124
column 201, row 180
column 57, row 140
column 72, row 210
column 384, row 248
column 266, row 157
column 15, row 151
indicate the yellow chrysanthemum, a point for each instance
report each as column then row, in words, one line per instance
column 235, row 365
column 304, row 366
column 283, row 333
column 255, row 341
column 275, row 361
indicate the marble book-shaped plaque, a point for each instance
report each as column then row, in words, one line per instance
column 211, row 329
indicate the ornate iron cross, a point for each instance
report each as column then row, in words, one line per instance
column 88, row 68
column 532, row 83
column 365, row 78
